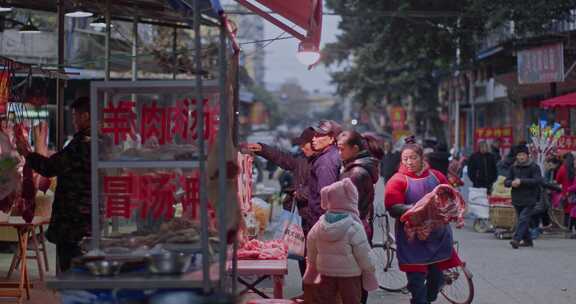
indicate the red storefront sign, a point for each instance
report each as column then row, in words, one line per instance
column 567, row 143
column 505, row 135
column 398, row 118
column 541, row 65
column 153, row 195
column 162, row 124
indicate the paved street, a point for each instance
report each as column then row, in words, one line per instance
column 543, row 274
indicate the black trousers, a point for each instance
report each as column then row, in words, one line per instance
column 540, row 217
column 65, row 252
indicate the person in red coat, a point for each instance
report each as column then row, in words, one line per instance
column 422, row 260
column 566, row 177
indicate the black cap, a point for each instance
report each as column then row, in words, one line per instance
column 305, row 137
column 327, row 127
column 521, row 149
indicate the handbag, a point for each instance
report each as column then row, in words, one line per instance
column 292, row 234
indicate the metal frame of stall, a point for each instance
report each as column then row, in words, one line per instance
column 197, row 19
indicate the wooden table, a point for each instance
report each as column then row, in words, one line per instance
column 263, row 269
column 25, row 231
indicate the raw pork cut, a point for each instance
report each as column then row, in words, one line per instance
column 436, row 209
column 258, row 250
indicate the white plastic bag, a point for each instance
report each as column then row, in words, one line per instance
column 478, row 205
column 291, row 232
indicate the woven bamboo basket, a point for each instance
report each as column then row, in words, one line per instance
column 503, row 217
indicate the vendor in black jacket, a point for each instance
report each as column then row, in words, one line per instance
column 526, row 179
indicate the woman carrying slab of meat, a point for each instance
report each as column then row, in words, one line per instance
column 422, row 260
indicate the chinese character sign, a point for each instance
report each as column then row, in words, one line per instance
column 398, row 118
column 152, row 195
column 567, row 143
column 158, row 123
column 541, row 65
column 504, row 135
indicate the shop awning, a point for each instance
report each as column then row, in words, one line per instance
column 564, row 101
column 304, row 14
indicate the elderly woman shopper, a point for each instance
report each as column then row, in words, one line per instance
column 422, row 260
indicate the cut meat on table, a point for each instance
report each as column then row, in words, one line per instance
column 258, row 250
column 436, row 209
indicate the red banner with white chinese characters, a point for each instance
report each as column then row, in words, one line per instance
column 567, row 143
column 159, row 124
column 152, row 195
column 504, row 135
column 398, row 118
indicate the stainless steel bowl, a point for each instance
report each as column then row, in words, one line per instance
column 104, row 267
column 169, row 263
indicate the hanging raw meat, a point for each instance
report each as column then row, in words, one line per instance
column 5, row 83
column 28, row 201
column 436, row 209
column 9, row 177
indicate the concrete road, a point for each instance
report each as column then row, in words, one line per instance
column 545, row 274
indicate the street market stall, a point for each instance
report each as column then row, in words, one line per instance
column 163, row 158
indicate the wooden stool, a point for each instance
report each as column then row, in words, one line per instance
column 37, row 245
column 21, row 289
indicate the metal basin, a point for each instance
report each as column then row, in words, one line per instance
column 104, row 267
column 169, row 262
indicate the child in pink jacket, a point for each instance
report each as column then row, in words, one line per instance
column 338, row 253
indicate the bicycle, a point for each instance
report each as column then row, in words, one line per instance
column 458, row 285
column 388, row 273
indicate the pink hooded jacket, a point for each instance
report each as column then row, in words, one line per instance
column 337, row 245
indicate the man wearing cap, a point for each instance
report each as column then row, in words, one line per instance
column 325, row 165
column 300, row 166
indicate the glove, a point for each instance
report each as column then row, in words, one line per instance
column 397, row 210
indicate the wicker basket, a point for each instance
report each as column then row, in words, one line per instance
column 503, row 217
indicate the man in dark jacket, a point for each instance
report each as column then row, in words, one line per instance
column 71, row 211
column 482, row 169
column 439, row 159
column 300, row 166
column 390, row 161
column 525, row 179
column 325, row 165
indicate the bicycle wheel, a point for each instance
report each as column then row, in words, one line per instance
column 557, row 217
column 389, row 276
column 458, row 286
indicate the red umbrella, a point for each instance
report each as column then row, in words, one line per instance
column 564, row 101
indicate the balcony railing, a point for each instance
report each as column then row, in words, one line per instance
column 507, row 32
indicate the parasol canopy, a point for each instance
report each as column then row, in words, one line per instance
column 564, row 101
